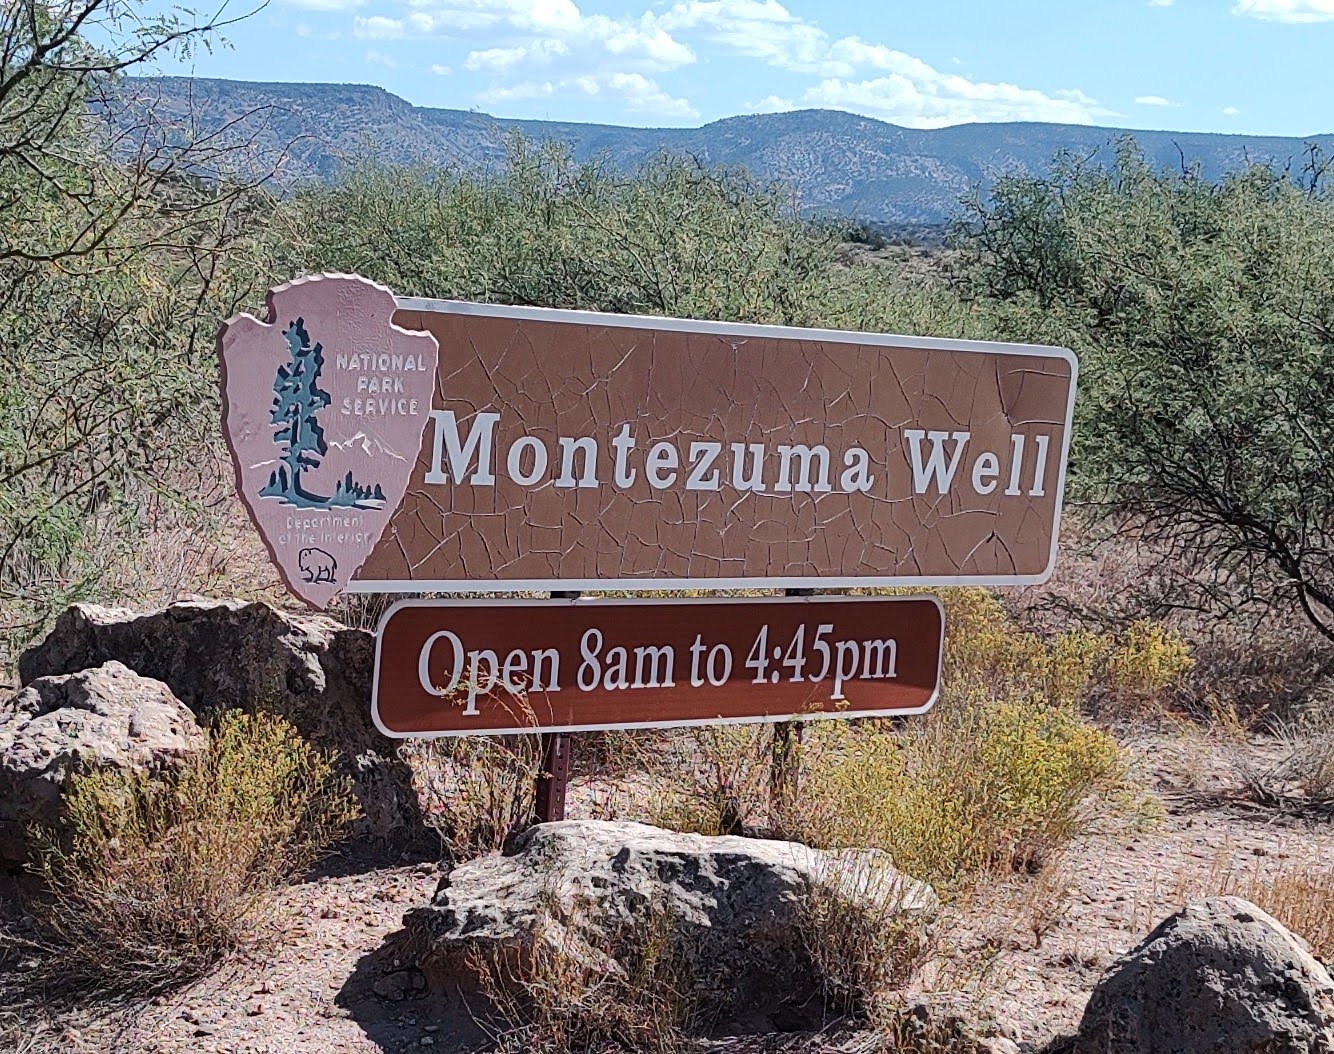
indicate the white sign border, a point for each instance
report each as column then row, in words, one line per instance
column 681, row 325
column 603, row 602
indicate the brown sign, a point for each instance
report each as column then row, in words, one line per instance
column 569, row 450
column 386, row 444
column 447, row 668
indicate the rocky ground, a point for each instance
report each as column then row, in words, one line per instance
column 333, row 980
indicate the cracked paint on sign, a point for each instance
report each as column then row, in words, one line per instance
column 554, row 376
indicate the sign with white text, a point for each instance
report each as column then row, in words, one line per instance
column 467, row 667
column 408, row 445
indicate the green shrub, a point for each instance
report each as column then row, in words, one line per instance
column 974, row 786
column 114, row 274
column 150, row 883
column 1203, row 314
column 1002, row 773
column 669, row 238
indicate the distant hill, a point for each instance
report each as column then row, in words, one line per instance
column 838, row 163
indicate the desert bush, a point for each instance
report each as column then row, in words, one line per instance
column 974, row 786
column 668, row 238
column 1147, row 657
column 116, row 263
column 475, row 791
column 1129, row 670
column 1202, row 311
column 151, row 882
column 1002, row 773
column 710, row 780
column 1304, row 771
column 555, row 999
column 1261, row 674
column 985, row 649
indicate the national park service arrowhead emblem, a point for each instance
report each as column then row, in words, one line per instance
column 323, row 407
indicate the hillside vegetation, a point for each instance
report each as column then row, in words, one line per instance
column 1201, row 310
column 835, row 163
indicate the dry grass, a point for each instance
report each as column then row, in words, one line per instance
column 1046, row 899
column 476, row 791
column 1310, row 759
column 636, row 994
column 1303, row 773
column 202, row 545
column 861, row 935
column 150, row 884
column 1296, row 890
column 1261, row 676
column 22, row 1036
column 711, row 780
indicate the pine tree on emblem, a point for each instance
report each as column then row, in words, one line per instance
column 297, row 400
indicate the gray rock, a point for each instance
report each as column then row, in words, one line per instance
column 1220, row 976
column 224, row 654
column 108, row 717
column 578, row 887
column 400, row 985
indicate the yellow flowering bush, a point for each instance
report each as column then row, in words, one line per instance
column 974, row 786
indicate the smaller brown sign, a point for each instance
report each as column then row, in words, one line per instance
column 449, row 668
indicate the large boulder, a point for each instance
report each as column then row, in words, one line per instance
column 590, row 891
column 108, row 717
column 1220, row 976
column 225, row 654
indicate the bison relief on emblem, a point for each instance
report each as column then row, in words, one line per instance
column 317, row 566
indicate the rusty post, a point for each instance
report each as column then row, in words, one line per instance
column 554, row 778
column 783, row 763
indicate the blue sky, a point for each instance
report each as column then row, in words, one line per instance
column 1255, row 66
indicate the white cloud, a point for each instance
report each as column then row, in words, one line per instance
column 911, row 92
column 502, row 60
column 381, row 59
column 761, row 29
column 771, row 104
column 379, row 27
column 540, row 48
column 1154, row 100
column 1231, row 111
column 327, row 5
column 636, row 92
column 535, row 31
column 1161, row 3
column 934, row 104
column 1286, row 10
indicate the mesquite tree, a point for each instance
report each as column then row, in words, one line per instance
column 116, row 220
column 1203, row 313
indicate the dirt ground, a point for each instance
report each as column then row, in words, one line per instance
column 335, row 982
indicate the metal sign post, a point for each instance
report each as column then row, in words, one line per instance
column 553, row 780
column 783, row 764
